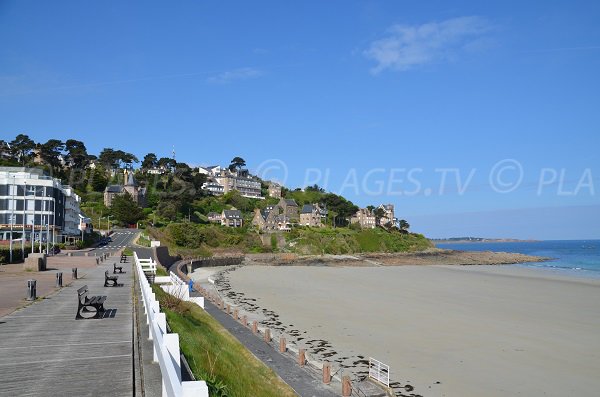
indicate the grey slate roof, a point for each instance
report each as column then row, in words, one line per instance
column 291, row 202
column 307, row 209
column 232, row 214
column 114, row 188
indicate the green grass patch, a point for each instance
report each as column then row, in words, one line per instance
column 161, row 271
column 128, row 252
column 215, row 356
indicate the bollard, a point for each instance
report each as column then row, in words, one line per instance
column 346, row 386
column 74, row 273
column 31, row 290
column 301, row 357
column 235, row 314
column 245, row 321
column 228, row 309
column 59, row 279
column 326, row 373
column 254, row 327
column 282, row 347
column 267, row 335
column 97, row 261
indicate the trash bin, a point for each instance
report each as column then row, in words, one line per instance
column 31, row 290
column 191, row 285
column 59, row 279
column 74, row 273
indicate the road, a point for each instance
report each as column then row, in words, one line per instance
column 121, row 238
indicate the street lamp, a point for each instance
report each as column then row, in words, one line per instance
column 108, row 226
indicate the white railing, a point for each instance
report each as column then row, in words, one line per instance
column 148, row 265
column 165, row 346
column 379, row 371
column 181, row 289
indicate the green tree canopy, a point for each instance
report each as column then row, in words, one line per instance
column 21, row 148
column 125, row 210
column 237, row 164
column 150, row 160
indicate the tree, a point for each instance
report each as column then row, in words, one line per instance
column 237, row 164
column 21, row 148
column 404, row 226
column 150, row 160
column 51, row 152
column 99, row 180
column 166, row 162
column 379, row 213
column 125, row 210
column 76, row 154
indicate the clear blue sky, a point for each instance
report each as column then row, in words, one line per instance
column 363, row 91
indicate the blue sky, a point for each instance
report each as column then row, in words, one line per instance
column 465, row 110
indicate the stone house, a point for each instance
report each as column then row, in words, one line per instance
column 271, row 219
column 289, row 208
column 312, row 215
column 388, row 219
column 365, row 218
column 275, row 190
column 137, row 194
column 231, row 218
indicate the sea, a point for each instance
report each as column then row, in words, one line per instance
column 570, row 257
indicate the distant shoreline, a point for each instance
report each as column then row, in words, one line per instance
column 481, row 240
column 433, row 256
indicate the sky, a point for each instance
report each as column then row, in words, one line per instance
column 466, row 115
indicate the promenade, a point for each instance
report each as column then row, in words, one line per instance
column 45, row 351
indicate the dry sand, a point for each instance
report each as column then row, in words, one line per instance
column 444, row 330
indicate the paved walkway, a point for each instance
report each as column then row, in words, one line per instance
column 305, row 383
column 45, row 351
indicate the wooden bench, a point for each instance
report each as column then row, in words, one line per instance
column 123, row 258
column 84, row 301
column 110, row 279
column 117, row 268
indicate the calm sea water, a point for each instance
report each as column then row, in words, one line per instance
column 575, row 257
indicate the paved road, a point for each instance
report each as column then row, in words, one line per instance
column 45, row 351
column 121, row 238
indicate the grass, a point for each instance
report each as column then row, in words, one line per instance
column 128, row 252
column 215, row 356
column 143, row 241
column 161, row 271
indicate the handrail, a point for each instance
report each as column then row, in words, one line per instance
column 165, row 346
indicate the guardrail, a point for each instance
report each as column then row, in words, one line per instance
column 165, row 346
column 148, row 265
column 181, row 290
column 379, row 371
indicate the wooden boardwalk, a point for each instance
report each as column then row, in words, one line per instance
column 44, row 351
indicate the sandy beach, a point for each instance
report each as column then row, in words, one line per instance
column 444, row 330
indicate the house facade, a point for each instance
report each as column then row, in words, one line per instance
column 289, row 208
column 312, row 215
column 272, row 219
column 365, row 218
column 137, row 194
column 214, row 217
column 275, row 190
column 388, row 219
column 231, row 218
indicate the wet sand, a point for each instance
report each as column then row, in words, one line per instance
column 444, row 330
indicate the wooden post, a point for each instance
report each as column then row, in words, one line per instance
column 301, row 357
column 228, row 309
column 282, row 347
column 326, row 373
column 245, row 321
column 267, row 335
column 346, row 386
column 235, row 314
column 254, row 327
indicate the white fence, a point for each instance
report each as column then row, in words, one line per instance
column 379, row 371
column 147, row 265
column 166, row 346
column 181, row 289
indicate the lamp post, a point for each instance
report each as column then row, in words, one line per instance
column 108, row 225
